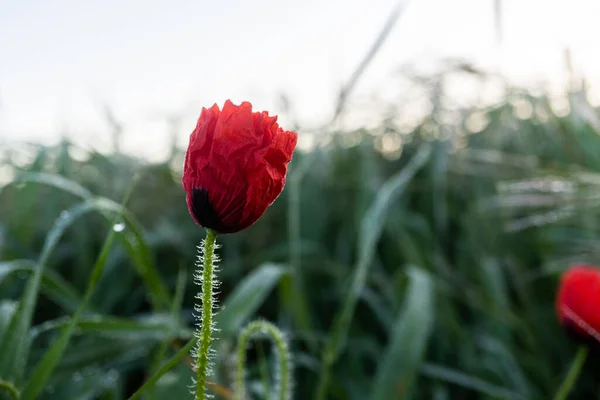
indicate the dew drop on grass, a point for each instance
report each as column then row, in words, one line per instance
column 64, row 214
column 119, row 227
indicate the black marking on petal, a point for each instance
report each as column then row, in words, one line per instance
column 203, row 211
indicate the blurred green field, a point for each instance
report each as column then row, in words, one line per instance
column 444, row 244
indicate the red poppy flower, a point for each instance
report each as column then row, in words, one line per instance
column 578, row 302
column 235, row 166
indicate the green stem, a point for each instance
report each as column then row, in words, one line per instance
column 10, row 388
column 206, row 279
column 327, row 362
column 169, row 365
column 283, row 377
column 569, row 381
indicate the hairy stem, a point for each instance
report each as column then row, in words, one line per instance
column 204, row 278
column 283, row 377
column 569, row 381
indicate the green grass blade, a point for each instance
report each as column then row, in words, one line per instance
column 155, row 327
column 136, row 245
column 7, row 310
column 293, row 290
column 165, row 368
column 15, row 347
column 59, row 290
column 138, row 249
column 94, row 351
column 44, row 369
column 54, row 180
column 42, row 372
column 248, row 295
column 473, row 383
column 506, row 365
column 174, row 318
column 408, row 339
column 371, row 227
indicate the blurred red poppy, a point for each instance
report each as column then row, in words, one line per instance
column 235, row 166
column 578, row 302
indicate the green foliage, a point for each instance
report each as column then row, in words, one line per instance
column 409, row 337
column 247, row 296
column 487, row 219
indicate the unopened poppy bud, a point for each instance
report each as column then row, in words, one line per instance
column 235, row 166
column 578, row 302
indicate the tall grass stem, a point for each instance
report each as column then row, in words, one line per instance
column 569, row 381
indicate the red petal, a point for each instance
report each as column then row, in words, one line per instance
column 239, row 160
column 199, row 146
column 578, row 300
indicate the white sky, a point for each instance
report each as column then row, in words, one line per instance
column 61, row 59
